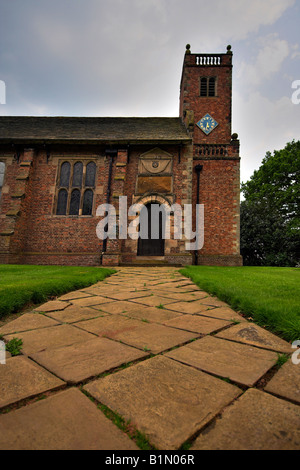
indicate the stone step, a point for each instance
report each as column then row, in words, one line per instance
column 150, row 263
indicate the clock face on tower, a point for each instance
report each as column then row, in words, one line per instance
column 207, row 124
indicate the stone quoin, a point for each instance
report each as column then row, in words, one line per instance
column 56, row 171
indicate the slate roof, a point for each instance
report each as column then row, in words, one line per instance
column 23, row 129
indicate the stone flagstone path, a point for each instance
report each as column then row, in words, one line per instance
column 151, row 346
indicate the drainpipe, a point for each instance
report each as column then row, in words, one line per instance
column 111, row 153
column 198, row 169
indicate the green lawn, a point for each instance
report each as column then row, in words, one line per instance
column 21, row 285
column 270, row 296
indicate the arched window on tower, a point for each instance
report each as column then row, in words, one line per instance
column 203, row 88
column 208, row 86
column 212, row 86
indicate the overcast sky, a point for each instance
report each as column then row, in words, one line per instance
column 124, row 58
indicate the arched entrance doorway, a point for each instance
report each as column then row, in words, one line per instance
column 151, row 241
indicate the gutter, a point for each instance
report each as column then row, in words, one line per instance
column 111, row 153
column 198, row 169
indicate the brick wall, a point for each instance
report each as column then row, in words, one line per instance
column 41, row 237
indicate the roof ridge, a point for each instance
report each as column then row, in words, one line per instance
column 92, row 129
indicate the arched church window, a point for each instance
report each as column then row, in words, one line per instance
column 75, row 188
column 62, row 202
column 87, row 207
column 65, row 175
column 90, row 176
column 77, row 175
column 75, row 202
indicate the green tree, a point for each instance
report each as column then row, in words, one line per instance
column 270, row 213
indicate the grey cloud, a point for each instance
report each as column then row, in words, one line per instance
column 122, row 57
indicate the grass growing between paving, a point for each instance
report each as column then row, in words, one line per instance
column 268, row 295
column 126, row 426
column 21, row 285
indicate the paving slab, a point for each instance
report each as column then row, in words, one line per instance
column 54, row 336
column 187, row 284
column 250, row 333
column 154, row 300
column 153, row 337
column 121, row 306
column 182, row 296
column 213, row 302
column 146, row 336
column 74, row 314
column 28, row 321
column 109, row 325
column 175, row 284
column 85, row 360
column 67, row 420
column 152, row 314
column 52, row 306
column 125, row 295
column 159, row 284
column 74, row 295
column 286, row 382
column 101, row 289
column 256, row 421
column 115, row 283
column 166, row 400
column 21, row 378
column 90, row 301
column 188, row 307
column 224, row 313
column 197, row 324
column 107, row 292
column 189, row 289
column 170, row 288
column 238, row 362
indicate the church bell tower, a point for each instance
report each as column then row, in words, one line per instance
column 206, row 110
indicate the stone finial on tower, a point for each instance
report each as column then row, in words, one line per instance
column 188, row 49
column 229, row 51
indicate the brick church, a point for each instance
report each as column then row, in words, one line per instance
column 56, row 171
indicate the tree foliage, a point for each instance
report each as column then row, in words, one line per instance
column 270, row 213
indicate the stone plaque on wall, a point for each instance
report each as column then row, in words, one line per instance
column 155, row 162
column 155, row 166
column 156, row 184
column 155, row 172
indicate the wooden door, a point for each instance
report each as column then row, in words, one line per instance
column 151, row 220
